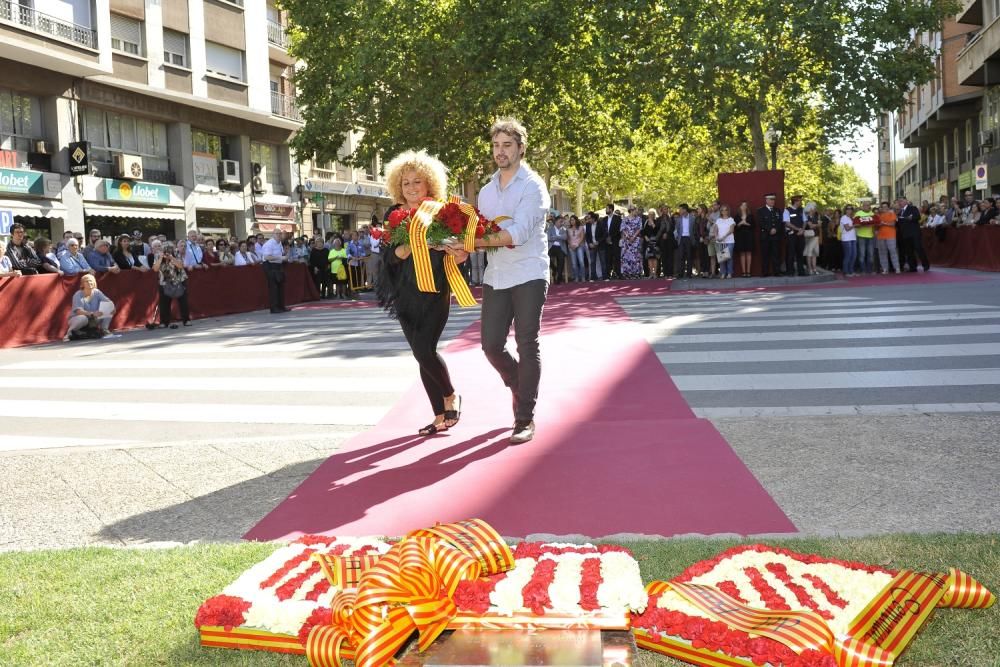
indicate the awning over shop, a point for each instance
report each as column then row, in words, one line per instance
column 132, row 212
column 270, row 226
column 42, row 208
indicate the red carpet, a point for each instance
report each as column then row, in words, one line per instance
column 617, row 451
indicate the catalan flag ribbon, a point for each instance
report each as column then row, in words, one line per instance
column 408, row 590
column 875, row 638
column 423, row 219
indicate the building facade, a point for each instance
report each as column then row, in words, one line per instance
column 178, row 113
column 978, row 64
column 941, row 121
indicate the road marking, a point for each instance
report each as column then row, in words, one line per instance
column 831, row 353
column 838, row 410
column 948, row 377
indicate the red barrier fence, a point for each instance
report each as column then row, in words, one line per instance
column 34, row 309
column 964, row 247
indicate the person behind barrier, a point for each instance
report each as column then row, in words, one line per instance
column 173, row 285
column 6, row 266
column 72, row 261
column 90, row 316
column 22, row 255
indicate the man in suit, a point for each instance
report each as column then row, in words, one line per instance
column 665, row 243
column 686, row 235
column 794, row 219
column 912, row 244
column 771, row 231
column 609, row 236
column 595, row 256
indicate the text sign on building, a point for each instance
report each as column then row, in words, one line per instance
column 982, row 181
column 9, row 159
column 6, row 220
column 22, row 182
column 274, row 211
column 965, row 180
column 206, row 171
column 79, row 158
column 136, row 192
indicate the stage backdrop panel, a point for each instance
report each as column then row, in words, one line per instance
column 751, row 186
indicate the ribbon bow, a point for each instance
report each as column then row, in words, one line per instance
column 409, row 589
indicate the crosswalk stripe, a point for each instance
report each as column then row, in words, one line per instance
column 749, row 322
column 196, row 383
column 752, row 314
column 830, row 353
column 755, row 308
column 359, row 364
column 844, row 380
column 756, row 297
column 209, row 413
column 819, row 410
column 846, row 335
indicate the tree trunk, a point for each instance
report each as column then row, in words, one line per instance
column 757, row 136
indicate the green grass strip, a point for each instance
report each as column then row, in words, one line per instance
column 102, row 606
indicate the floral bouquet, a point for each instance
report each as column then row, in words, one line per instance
column 449, row 224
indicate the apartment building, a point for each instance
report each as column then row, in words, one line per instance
column 179, row 114
column 978, row 64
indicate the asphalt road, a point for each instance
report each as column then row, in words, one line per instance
column 860, row 409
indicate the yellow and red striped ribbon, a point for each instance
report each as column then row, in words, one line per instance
column 345, row 571
column 421, row 253
column 409, row 589
column 875, row 637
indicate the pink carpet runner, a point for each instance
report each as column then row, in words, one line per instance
column 617, row 450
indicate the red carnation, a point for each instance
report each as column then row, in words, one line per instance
column 396, row 217
column 319, row 616
column 227, row 611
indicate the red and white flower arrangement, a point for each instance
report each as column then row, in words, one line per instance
column 766, row 578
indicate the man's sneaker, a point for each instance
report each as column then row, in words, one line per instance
column 523, row 432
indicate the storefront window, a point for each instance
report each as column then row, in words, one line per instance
column 110, row 133
column 114, row 226
column 20, row 122
column 216, row 223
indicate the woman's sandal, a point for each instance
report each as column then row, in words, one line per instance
column 432, row 429
column 455, row 414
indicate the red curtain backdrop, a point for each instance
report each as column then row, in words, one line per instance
column 751, row 186
column 35, row 308
column 965, row 247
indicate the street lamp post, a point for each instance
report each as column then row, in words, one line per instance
column 773, row 136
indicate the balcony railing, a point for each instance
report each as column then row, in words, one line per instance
column 284, row 106
column 276, row 34
column 28, row 18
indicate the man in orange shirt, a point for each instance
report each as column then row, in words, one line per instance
column 886, row 239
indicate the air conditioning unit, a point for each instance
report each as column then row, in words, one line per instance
column 128, row 166
column 259, row 181
column 986, row 137
column 229, row 172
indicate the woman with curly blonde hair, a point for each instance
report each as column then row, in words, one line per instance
column 412, row 177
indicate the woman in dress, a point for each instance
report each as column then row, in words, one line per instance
column 744, row 238
column 650, row 231
column 632, row 244
column 811, row 233
column 337, row 257
column 412, row 177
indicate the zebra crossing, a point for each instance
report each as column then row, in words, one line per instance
column 812, row 353
column 249, row 376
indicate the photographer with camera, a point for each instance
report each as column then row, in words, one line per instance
column 173, row 285
column 91, row 314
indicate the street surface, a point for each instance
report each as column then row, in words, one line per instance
column 861, row 410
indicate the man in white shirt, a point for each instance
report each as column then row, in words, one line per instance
column 273, row 258
column 194, row 258
column 516, row 279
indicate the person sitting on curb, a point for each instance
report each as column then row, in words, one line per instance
column 91, row 312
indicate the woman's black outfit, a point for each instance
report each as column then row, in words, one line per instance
column 743, row 235
column 422, row 316
column 174, row 280
column 122, row 259
column 649, row 249
column 319, row 269
column 667, row 244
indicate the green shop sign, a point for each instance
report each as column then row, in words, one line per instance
column 966, row 179
column 22, row 182
column 135, row 192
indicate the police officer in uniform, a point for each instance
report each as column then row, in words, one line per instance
column 274, row 257
column 794, row 219
column 771, row 231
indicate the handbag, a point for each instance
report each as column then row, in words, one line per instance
column 723, row 252
column 174, row 290
column 809, row 233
